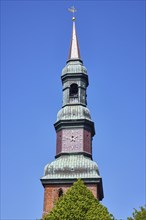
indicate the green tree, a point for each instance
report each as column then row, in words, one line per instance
column 139, row 215
column 78, row 203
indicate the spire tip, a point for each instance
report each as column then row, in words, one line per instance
column 74, row 53
column 73, row 18
column 72, row 10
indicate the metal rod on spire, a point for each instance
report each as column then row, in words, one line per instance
column 72, row 10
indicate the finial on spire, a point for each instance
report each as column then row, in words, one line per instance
column 72, row 10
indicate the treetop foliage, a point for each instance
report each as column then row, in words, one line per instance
column 78, row 203
column 139, row 215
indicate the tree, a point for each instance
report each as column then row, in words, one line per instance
column 139, row 215
column 78, row 203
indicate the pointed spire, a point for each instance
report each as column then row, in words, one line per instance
column 74, row 53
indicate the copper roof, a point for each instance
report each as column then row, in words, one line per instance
column 71, row 166
column 74, row 52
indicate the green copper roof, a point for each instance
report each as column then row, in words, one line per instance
column 74, row 112
column 74, row 67
column 70, row 167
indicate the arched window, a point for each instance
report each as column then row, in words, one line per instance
column 73, row 90
column 60, row 192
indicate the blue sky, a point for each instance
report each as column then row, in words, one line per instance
column 35, row 39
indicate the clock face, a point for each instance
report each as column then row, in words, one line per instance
column 72, row 140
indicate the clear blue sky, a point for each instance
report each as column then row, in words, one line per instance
column 35, row 44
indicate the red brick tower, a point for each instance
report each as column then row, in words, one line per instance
column 74, row 130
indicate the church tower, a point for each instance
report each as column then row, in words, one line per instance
column 74, row 133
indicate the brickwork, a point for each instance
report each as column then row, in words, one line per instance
column 58, row 142
column 93, row 188
column 51, row 194
column 87, row 145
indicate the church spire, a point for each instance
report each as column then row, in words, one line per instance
column 74, row 52
column 74, row 133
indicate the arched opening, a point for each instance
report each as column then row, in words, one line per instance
column 73, row 90
column 60, row 193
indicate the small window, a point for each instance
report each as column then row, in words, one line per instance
column 60, row 193
column 73, row 90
